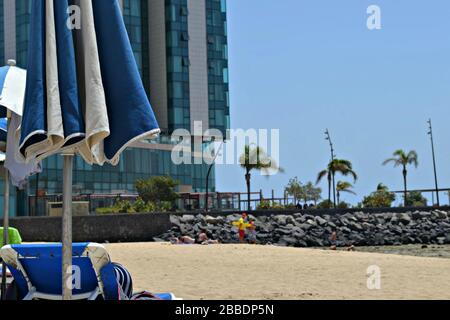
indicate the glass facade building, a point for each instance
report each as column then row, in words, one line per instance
column 154, row 159
column 135, row 15
column 2, row 34
column 218, row 88
column 23, row 13
column 177, row 39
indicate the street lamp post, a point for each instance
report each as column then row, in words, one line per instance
column 207, row 177
column 430, row 133
column 328, row 138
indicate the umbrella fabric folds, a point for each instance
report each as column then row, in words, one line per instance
column 84, row 91
column 12, row 92
column 19, row 170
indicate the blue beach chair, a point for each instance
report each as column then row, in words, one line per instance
column 37, row 271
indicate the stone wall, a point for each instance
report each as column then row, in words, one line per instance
column 306, row 230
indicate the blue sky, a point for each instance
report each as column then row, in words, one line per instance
column 305, row 65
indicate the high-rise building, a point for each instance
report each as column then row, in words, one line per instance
column 181, row 51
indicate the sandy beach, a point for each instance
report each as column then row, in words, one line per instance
column 267, row 272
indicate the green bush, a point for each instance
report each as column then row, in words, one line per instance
column 157, row 189
column 379, row 199
column 416, row 199
column 264, row 205
column 165, row 206
column 269, row 205
column 326, row 204
column 140, row 205
column 124, row 206
column 343, row 205
column 290, row 206
column 107, row 210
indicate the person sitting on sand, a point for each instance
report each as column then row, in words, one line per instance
column 242, row 225
column 333, row 240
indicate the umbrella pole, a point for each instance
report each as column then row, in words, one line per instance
column 67, row 227
column 5, row 229
column 5, row 225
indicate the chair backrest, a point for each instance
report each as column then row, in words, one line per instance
column 13, row 236
column 40, row 266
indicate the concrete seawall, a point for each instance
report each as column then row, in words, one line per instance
column 99, row 228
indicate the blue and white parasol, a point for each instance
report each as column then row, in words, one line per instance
column 84, row 94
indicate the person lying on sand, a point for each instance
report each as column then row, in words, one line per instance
column 204, row 240
column 182, row 240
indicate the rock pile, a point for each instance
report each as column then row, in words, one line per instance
column 304, row 230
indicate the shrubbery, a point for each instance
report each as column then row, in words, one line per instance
column 157, row 189
column 268, row 205
column 416, row 199
column 156, row 194
column 326, row 204
column 343, row 205
column 379, row 199
column 138, row 206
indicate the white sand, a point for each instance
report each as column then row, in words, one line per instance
column 266, row 272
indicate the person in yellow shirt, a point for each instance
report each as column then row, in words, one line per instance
column 242, row 224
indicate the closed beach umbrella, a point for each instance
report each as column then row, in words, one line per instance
column 84, row 94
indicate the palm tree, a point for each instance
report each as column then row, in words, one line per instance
column 343, row 186
column 382, row 187
column 343, row 167
column 403, row 159
column 255, row 158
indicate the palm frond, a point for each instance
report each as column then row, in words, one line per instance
column 322, row 174
column 413, row 158
column 395, row 161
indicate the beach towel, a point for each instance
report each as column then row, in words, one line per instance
column 124, row 280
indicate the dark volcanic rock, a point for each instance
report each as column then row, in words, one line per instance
column 297, row 230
